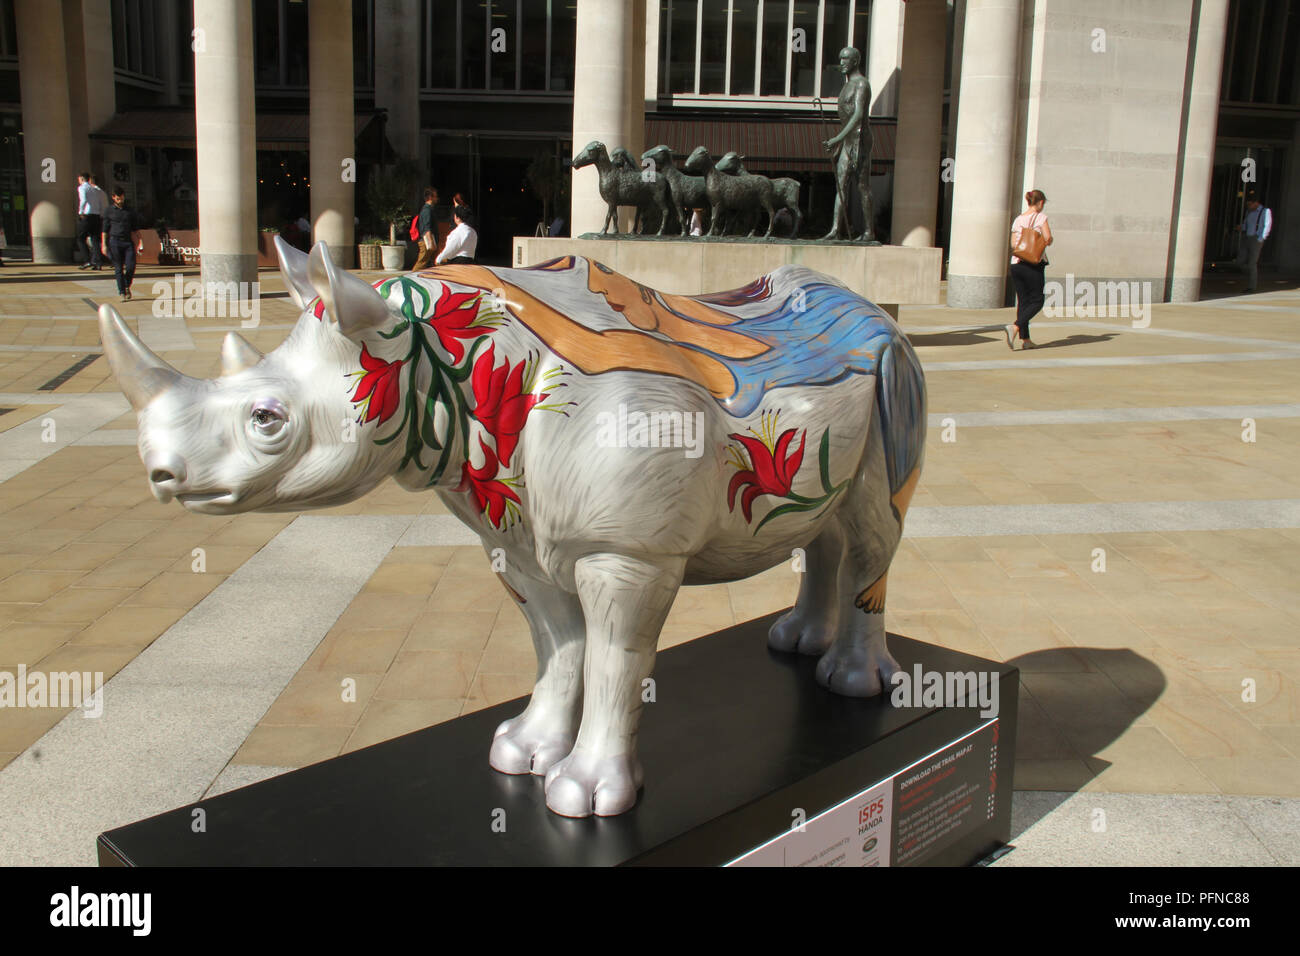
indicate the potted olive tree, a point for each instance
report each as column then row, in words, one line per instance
column 391, row 195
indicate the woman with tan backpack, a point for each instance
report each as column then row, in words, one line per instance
column 1030, row 237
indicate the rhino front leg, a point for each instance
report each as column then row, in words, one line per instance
column 625, row 600
column 544, row 733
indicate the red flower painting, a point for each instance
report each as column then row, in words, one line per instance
column 490, row 493
column 453, row 315
column 771, row 471
column 500, row 402
column 379, row 387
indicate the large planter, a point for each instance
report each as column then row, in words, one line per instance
column 368, row 257
column 393, row 257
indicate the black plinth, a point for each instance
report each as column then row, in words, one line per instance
column 739, row 744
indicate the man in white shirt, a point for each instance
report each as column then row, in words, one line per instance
column 1255, row 229
column 462, row 242
column 91, row 203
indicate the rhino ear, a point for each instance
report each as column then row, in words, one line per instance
column 237, row 354
column 293, row 267
column 351, row 302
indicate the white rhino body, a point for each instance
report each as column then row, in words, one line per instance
column 541, row 370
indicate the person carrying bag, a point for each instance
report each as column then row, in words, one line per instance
column 1030, row 237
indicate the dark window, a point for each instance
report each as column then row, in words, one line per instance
column 440, row 45
column 294, row 45
column 744, row 34
column 776, row 47
column 532, row 43
column 266, row 42
column 713, row 48
column 473, row 33
column 8, row 30
column 1259, row 54
column 804, row 68
column 564, row 29
column 680, row 48
column 363, row 42
column 502, row 38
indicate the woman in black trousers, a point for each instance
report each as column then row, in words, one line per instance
column 1028, row 277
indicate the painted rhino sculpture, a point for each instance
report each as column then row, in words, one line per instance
column 616, row 442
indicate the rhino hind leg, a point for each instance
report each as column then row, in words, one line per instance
column 857, row 663
column 812, row 625
column 544, row 733
column 625, row 600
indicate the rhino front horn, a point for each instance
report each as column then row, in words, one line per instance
column 237, row 354
column 141, row 374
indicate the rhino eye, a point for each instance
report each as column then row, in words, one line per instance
column 269, row 417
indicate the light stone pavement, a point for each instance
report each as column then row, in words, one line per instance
column 1161, row 694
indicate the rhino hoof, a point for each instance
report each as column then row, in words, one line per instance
column 856, row 670
column 793, row 632
column 518, row 748
column 582, row 784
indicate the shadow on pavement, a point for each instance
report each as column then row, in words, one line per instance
column 975, row 336
column 1074, row 340
column 1079, row 726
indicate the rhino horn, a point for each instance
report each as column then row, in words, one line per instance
column 141, row 374
column 351, row 302
column 293, row 267
column 237, row 354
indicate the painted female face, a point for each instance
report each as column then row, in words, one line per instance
column 631, row 299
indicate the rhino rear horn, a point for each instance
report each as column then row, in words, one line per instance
column 237, row 354
column 141, row 374
column 351, row 302
column 293, row 267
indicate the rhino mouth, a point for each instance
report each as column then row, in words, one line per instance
column 197, row 501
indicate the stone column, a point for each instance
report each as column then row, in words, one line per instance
column 633, row 139
column 651, row 99
column 603, row 87
column 47, row 130
column 884, row 54
column 981, row 211
column 332, row 135
column 920, row 122
column 226, row 140
column 1198, row 152
column 74, row 46
column 397, row 71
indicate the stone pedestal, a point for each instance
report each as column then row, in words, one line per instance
column 886, row 275
column 740, row 739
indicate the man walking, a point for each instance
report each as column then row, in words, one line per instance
column 121, row 241
column 90, row 210
column 1255, row 229
column 428, row 231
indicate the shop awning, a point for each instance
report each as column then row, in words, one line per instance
column 778, row 144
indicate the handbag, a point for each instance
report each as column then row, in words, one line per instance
column 1031, row 246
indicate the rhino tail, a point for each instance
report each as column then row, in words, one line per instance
column 900, row 396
